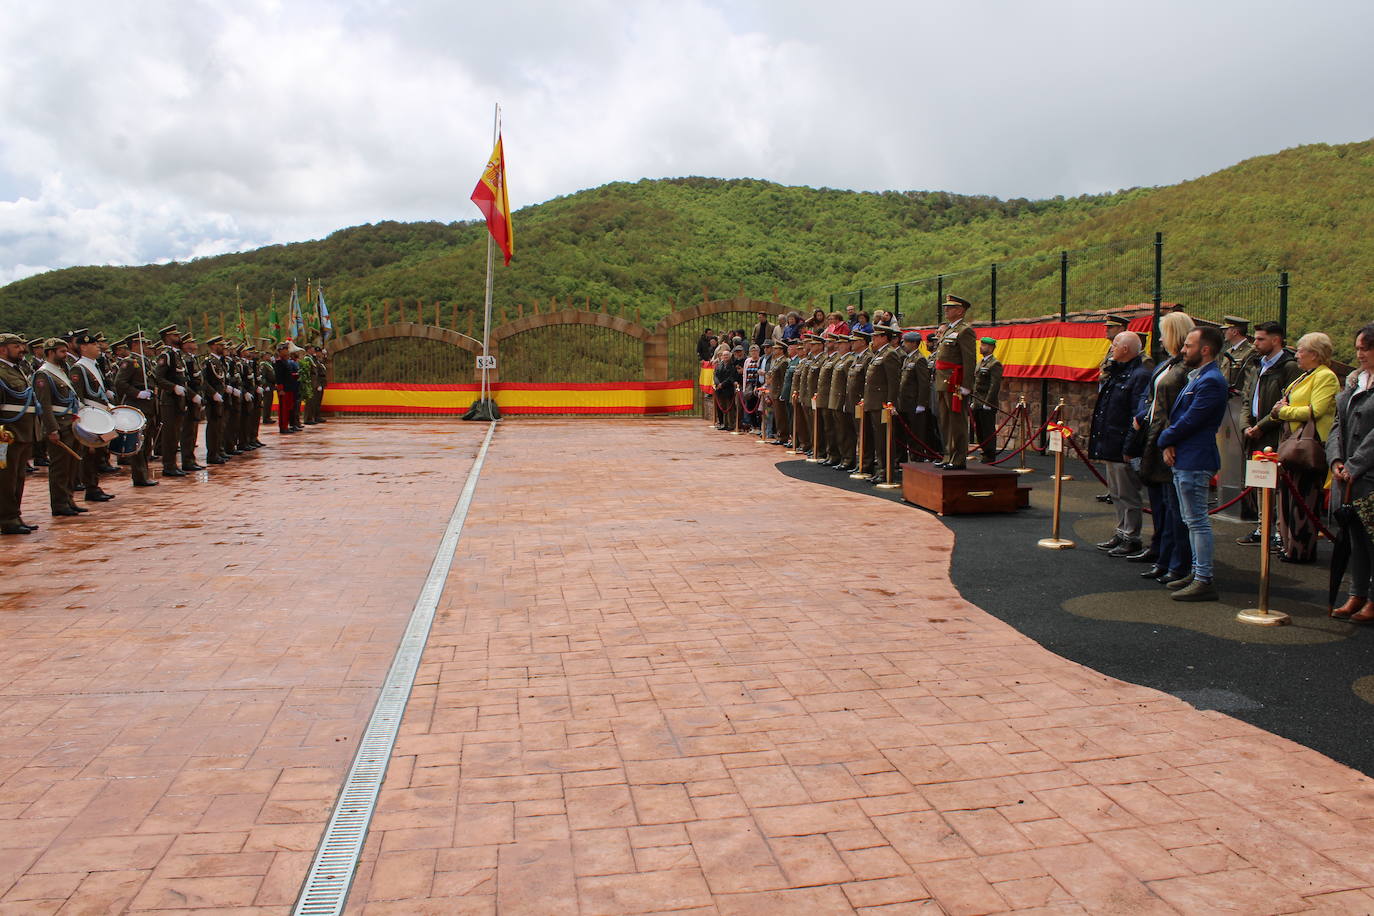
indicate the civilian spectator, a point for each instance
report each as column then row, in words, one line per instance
column 1310, row 398
column 1173, row 553
column 705, row 346
column 792, row 330
column 1350, row 450
column 1190, row 448
column 817, row 321
column 1118, row 398
column 837, row 325
column 728, row 379
column 753, row 367
column 1275, row 369
column 777, row 328
column 763, row 331
column 863, row 323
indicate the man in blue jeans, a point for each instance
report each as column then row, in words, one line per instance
column 1190, row 448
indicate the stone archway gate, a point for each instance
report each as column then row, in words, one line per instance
column 563, row 346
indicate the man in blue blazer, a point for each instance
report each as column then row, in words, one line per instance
column 1190, row 448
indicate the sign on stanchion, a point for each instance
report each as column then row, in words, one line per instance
column 888, row 412
column 859, row 449
column 1058, row 432
column 1262, row 473
column 1059, row 465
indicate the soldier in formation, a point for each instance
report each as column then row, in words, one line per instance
column 45, row 383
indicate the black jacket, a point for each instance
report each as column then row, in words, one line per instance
column 728, row 378
column 1117, row 399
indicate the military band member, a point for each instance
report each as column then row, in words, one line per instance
column 954, row 365
column 881, row 378
column 169, row 375
column 30, row 362
column 133, row 387
column 913, row 398
column 90, row 386
column 19, row 419
column 853, row 397
column 1238, row 360
column 57, row 398
column 195, row 407
column 987, row 398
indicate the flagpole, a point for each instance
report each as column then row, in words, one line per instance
column 486, row 309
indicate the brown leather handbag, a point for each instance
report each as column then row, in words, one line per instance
column 1303, row 450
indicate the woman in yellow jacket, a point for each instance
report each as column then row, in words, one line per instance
column 1311, row 396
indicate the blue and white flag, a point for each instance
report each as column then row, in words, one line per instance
column 296, row 323
column 326, row 325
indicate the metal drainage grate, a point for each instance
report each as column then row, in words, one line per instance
column 326, row 886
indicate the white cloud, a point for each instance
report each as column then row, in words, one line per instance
column 141, row 132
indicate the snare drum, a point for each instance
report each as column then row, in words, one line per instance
column 129, row 424
column 94, row 427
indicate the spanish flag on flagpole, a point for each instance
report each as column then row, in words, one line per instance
column 490, row 197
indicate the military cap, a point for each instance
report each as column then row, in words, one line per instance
column 886, row 330
column 170, row 329
column 932, row 338
column 37, row 342
column 912, row 336
column 188, row 338
column 778, row 343
column 214, row 340
column 124, row 342
column 860, row 332
column 990, row 341
column 283, row 345
column 10, row 339
column 100, row 337
column 1117, row 319
column 1240, row 324
column 83, row 337
column 52, row 343
column 72, row 335
column 138, row 339
column 955, row 301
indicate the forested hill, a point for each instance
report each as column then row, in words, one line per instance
column 639, row 245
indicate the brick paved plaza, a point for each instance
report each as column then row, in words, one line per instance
column 662, row 677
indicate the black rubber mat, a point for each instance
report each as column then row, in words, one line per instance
column 1311, row 681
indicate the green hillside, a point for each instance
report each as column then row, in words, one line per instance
column 638, row 246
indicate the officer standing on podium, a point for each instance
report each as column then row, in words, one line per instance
column 955, row 356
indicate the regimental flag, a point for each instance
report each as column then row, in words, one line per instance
column 295, row 321
column 490, row 197
column 273, row 319
column 326, row 325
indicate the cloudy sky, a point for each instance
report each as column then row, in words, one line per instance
column 134, row 131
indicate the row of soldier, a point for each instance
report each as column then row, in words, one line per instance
column 829, row 392
column 229, row 390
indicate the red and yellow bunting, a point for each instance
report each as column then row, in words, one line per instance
column 513, row 398
column 1063, row 350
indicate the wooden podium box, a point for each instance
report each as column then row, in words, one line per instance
column 977, row 488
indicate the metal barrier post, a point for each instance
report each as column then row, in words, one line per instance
column 1261, row 471
column 859, row 452
column 887, row 484
column 1057, row 434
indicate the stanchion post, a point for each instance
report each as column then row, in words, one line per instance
column 1261, row 472
column 815, row 433
column 792, row 441
column 887, row 484
column 1059, row 465
column 859, row 455
column 1057, row 434
column 1023, row 443
column 739, row 411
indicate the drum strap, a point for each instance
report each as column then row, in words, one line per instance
column 21, row 403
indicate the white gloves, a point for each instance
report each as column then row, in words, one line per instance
column 144, row 395
column 920, row 409
column 249, row 397
column 219, row 399
column 179, row 390
column 964, row 391
column 195, row 399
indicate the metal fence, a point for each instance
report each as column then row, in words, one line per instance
column 408, row 360
column 571, row 353
column 682, row 346
column 1255, row 299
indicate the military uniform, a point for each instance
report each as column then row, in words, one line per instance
column 195, row 407
column 955, row 356
column 307, row 380
column 777, row 375
column 133, row 386
column 913, row 405
column 19, row 418
column 881, row 378
column 827, row 449
column 317, row 394
column 58, row 399
column 213, row 372
column 1237, row 362
column 844, row 428
column 853, row 394
column 987, row 398
column 169, row 375
column 801, row 383
column 90, row 387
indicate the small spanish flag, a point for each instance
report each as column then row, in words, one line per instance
column 490, row 197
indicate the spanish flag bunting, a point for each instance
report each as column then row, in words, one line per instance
column 490, row 197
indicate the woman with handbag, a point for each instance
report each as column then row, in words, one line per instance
column 1350, row 449
column 1175, row 560
column 1308, row 406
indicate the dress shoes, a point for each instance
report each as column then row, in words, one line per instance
column 214, row 460
column 65, row 511
column 1124, row 549
column 1154, row 572
column 1115, row 542
column 1364, row 614
column 42, row 462
column 956, row 467
column 174, row 472
column 16, row 529
column 1197, row 590
column 79, row 510
column 1145, row 555
column 1177, row 584
column 98, row 496
column 145, row 483
column 190, row 468
column 28, row 525
column 1104, row 498
column 1285, row 558
column 1352, row 604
